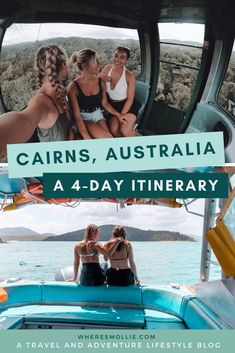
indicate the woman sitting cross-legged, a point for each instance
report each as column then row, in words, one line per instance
column 87, row 251
column 123, row 269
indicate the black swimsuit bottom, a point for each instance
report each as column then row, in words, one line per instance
column 92, row 274
column 118, row 105
column 120, row 277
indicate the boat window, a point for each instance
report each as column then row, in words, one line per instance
column 181, row 48
column 22, row 40
column 227, row 91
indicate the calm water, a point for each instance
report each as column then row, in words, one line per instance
column 157, row 262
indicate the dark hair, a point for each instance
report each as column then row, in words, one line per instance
column 119, row 231
column 125, row 49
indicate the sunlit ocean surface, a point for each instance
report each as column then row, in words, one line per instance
column 157, row 262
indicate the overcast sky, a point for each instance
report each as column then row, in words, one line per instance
column 58, row 219
column 33, row 32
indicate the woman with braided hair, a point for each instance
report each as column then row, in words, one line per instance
column 87, row 94
column 48, row 110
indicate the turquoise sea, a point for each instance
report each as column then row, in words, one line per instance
column 157, row 262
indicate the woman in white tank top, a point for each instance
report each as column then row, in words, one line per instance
column 120, row 85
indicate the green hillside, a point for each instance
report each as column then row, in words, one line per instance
column 133, row 234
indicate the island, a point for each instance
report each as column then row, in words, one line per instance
column 133, row 234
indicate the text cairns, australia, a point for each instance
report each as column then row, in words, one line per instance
column 113, row 154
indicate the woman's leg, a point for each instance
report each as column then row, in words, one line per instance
column 103, row 123
column 96, row 131
column 114, row 126
column 127, row 125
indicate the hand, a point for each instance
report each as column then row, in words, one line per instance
column 107, row 78
column 104, row 77
column 120, row 117
column 137, row 282
column 127, row 119
column 71, row 280
column 120, row 239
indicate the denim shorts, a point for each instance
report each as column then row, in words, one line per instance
column 95, row 116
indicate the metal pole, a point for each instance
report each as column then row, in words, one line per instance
column 221, row 205
column 209, row 219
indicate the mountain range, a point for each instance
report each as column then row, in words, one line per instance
column 133, row 234
column 21, row 233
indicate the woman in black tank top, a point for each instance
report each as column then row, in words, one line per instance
column 87, row 94
column 123, row 269
column 48, row 110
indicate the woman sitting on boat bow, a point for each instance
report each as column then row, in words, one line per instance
column 88, row 252
column 123, row 269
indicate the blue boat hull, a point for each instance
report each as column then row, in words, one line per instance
column 69, row 305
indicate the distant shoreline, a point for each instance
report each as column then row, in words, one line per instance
column 133, row 234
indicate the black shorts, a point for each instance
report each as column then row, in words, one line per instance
column 119, row 277
column 134, row 109
column 92, row 275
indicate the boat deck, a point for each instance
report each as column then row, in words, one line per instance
column 69, row 305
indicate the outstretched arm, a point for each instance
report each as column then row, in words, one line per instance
column 18, row 127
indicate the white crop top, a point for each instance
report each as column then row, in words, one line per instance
column 120, row 91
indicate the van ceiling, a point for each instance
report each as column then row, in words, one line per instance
column 107, row 12
column 116, row 13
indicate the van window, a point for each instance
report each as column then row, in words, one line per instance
column 227, row 92
column 181, row 48
column 22, row 40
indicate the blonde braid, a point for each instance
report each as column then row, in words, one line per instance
column 51, row 69
column 48, row 62
column 39, row 68
column 61, row 96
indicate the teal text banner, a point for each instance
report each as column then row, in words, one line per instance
column 118, row 341
column 135, row 185
column 119, row 154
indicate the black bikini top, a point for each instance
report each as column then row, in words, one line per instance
column 89, row 104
